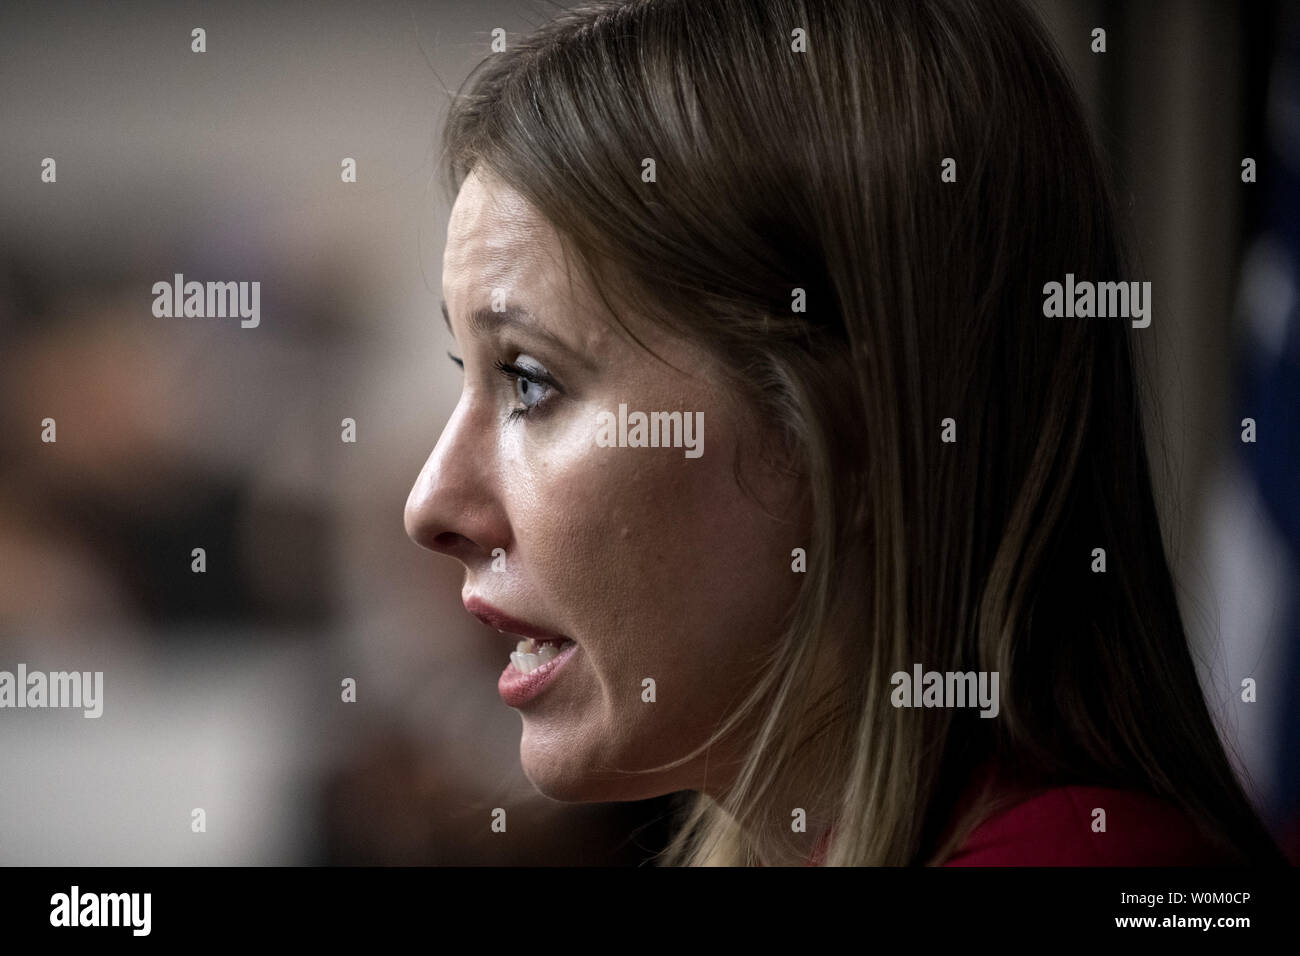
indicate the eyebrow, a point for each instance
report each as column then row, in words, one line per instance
column 484, row 321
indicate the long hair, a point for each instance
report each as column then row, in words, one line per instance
column 801, row 149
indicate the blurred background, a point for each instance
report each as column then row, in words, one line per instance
column 222, row 689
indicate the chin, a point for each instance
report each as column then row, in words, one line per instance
column 565, row 786
column 553, row 773
column 568, row 781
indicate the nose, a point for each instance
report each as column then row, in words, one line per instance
column 454, row 507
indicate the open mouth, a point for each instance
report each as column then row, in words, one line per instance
column 530, row 654
column 536, row 645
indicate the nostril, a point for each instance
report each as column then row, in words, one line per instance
column 449, row 541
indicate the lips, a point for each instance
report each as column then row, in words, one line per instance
column 496, row 618
column 531, row 669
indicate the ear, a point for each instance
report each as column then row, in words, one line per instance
column 771, row 468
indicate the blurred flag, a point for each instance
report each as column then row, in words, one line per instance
column 1263, row 490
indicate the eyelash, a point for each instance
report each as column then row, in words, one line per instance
column 532, row 376
column 514, row 373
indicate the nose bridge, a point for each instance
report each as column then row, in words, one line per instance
column 451, row 502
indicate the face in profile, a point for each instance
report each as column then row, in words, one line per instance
column 655, row 565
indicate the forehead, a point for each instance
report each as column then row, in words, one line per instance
column 497, row 239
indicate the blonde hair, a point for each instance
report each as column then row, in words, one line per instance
column 821, row 170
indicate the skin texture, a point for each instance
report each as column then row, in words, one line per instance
column 657, row 565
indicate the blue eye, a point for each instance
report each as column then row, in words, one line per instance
column 532, row 383
column 528, row 391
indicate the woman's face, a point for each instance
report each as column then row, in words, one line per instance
column 655, row 563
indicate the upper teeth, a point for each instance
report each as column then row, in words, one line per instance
column 528, row 655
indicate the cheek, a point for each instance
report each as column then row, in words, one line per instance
column 660, row 565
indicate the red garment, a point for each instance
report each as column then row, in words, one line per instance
column 1055, row 828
